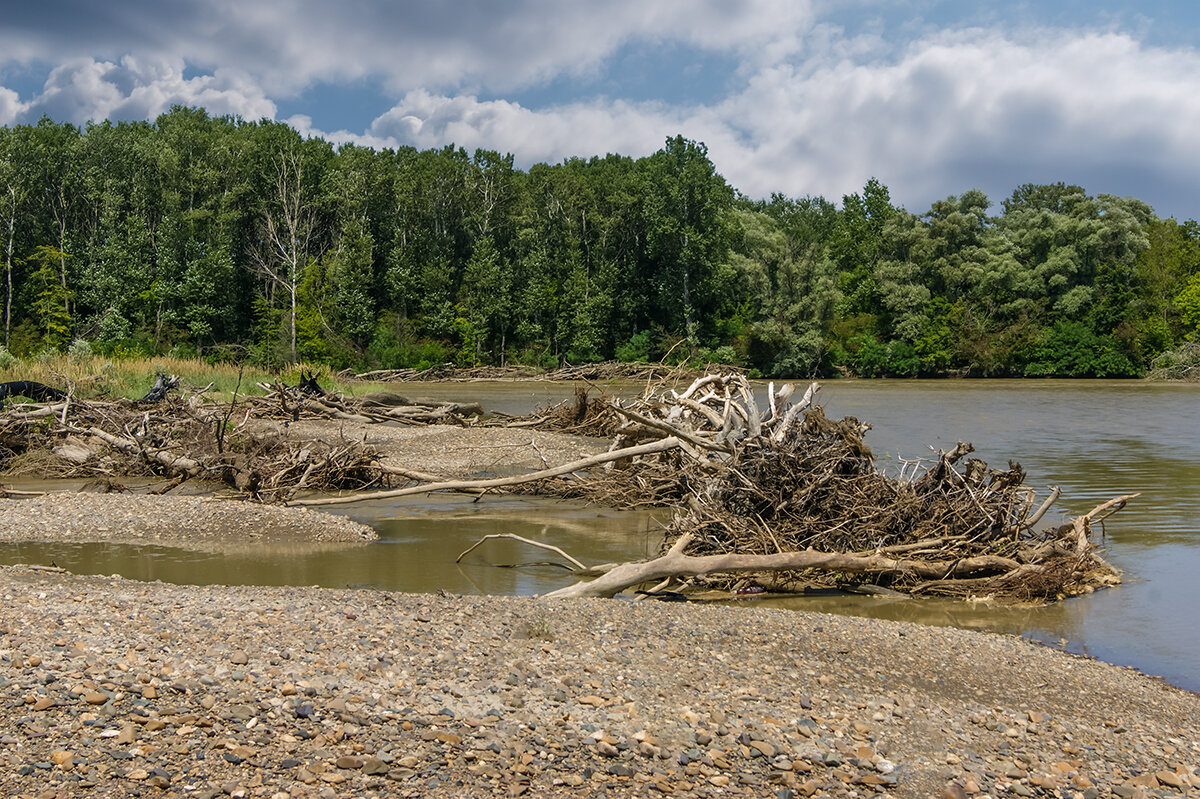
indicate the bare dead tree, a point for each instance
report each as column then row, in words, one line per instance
column 287, row 235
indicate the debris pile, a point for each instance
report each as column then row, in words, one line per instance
column 784, row 480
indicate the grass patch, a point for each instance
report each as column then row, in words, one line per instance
column 96, row 375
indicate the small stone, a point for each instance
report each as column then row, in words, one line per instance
column 762, row 749
column 719, row 780
column 137, row 774
column 593, row 700
column 374, row 767
column 208, row 702
column 607, row 749
column 349, row 762
column 45, row 703
column 95, row 698
column 62, row 756
column 239, row 658
column 149, row 692
column 954, row 791
column 1169, row 778
column 287, row 689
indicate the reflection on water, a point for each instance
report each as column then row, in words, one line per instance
column 419, row 540
column 1094, row 439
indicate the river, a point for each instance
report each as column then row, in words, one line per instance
column 1094, row 439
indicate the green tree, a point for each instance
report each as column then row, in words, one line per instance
column 685, row 201
column 51, row 299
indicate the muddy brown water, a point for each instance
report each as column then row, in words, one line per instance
column 1094, row 439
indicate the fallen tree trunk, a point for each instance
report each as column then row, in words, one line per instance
column 176, row 463
column 675, row 563
column 498, row 482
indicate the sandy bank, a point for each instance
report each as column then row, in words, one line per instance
column 175, row 520
column 450, row 451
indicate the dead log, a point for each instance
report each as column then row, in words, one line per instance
column 158, row 392
column 131, row 446
column 677, row 564
column 981, row 572
column 661, row 445
column 39, row 392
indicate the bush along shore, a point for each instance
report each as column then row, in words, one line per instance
column 110, row 687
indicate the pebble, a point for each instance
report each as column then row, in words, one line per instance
column 364, row 693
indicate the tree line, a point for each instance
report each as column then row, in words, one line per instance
column 246, row 241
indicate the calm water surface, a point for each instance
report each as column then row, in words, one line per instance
column 1094, row 439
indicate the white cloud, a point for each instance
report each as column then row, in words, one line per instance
column 10, row 106
column 425, row 120
column 475, row 44
column 88, row 89
column 953, row 112
column 478, row 44
column 967, row 109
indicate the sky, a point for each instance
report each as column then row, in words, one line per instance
column 799, row 97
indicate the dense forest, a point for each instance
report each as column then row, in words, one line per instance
column 245, row 241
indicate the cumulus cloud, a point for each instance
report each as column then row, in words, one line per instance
column 288, row 44
column 426, row 120
column 88, row 89
column 972, row 106
column 952, row 112
column 10, row 106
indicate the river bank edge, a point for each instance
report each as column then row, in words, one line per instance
column 114, row 687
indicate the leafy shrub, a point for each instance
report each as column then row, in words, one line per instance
column 636, row 350
column 80, row 351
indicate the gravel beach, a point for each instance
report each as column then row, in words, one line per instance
column 110, row 687
column 193, row 522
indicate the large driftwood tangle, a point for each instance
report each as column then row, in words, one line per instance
column 792, row 498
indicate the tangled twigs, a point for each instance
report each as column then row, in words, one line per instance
column 499, row 482
column 794, row 497
column 180, row 440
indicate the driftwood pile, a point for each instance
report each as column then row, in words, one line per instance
column 177, row 439
column 793, row 499
column 309, row 401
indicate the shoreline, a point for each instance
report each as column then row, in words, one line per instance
column 110, row 687
column 186, row 521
